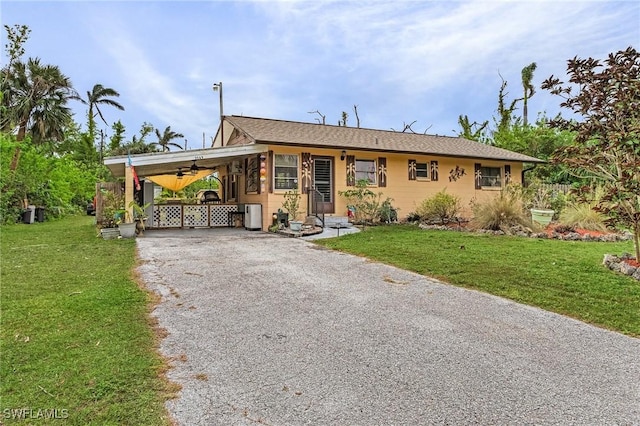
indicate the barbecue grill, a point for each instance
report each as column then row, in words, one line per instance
column 210, row 197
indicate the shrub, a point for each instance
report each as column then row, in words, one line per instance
column 501, row 212
column 441, row 207
column 582, row 213
column 387, row 212
column 365, row 203
column 291, row 204
column 540, row 196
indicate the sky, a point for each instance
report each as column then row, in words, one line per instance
column 400, row 62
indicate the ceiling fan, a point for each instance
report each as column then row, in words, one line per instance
column 195, row 168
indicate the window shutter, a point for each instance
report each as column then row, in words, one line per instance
column 412, row 169
column 306, row 172
column 270, row 170
column 382, row 172
column 351, row 170
column 434, row 171
column 477, row 175
column 507, row 174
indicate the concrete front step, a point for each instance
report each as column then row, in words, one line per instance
column 337, row 222
column 330, row 221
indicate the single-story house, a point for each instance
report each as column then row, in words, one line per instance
column 258, row 160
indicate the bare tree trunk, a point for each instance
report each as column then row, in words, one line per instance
column 355, row 110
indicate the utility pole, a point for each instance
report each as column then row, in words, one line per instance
column 217, row 87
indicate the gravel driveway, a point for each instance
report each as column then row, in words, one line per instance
column 277, row 331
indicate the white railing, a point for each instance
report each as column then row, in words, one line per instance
column 191, row 215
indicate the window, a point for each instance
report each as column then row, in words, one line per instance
column 366, row 170
column 491, row 176
column 286, row 171
column 422, row 171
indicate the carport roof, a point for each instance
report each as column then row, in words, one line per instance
column 157, row 163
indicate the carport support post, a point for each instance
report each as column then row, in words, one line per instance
column 128, row 192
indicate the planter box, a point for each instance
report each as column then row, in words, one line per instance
column 542, row 216
column 110, row 233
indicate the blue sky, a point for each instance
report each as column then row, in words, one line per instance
column 398, row 61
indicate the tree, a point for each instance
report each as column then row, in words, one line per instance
column 136, row 145
column 540, row 141
column 164, row 139
column 118, row 136
column 473, row 131
column 36, row 103
column 99, row 95
column 607, row 142
column 16, row 36
column 529, row 90
column 505, row 113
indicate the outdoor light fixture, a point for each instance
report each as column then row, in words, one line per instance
column 194, row 168
column 179, row 175
column 217, row 87
column 343, row 155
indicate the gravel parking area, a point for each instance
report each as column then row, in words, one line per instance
column 278, row 331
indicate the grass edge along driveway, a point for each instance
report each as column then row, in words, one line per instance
column 76, row 337
column 564, row 277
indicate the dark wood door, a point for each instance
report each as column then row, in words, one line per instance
column 323, row 183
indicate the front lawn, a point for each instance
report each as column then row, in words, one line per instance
column 559, row 276
column 76, row 341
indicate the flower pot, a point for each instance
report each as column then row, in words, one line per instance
column 295, row 225
column 110, row 233
column 542, row 216
column 127, row 230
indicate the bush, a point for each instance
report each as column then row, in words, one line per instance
column 501, row 213
column 387, row 212
column 582, row 213
column 441, row 207
column 365, row 203
column 58, row 183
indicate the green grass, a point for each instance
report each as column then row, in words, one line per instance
column 559, row 276
column 75, row 332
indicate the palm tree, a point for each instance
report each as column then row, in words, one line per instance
column 100, row 96
column 35, row 103
column 164, row 139
column 529, row 90
column 36, row 99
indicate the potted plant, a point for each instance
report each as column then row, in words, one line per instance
column 108, row 222
column 291, row 205
column 126, row 226
column 139, row 215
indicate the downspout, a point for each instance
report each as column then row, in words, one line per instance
column 525, row 171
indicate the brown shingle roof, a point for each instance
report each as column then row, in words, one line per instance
column 268, row 131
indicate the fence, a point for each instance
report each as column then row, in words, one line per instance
column 114, row 187
column 556, row 188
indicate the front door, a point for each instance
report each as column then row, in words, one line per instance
column 323, row 182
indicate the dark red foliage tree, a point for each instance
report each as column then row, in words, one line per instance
column 606, row 96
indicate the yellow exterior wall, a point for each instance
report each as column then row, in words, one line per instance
column 406, row 194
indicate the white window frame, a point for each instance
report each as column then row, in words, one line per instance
column 369, row 171
column 496, row 180
column 427, row 170
column 291, row 180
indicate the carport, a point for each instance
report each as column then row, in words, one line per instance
column 193, row 165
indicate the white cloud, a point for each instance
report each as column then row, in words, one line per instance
column 398, row 61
